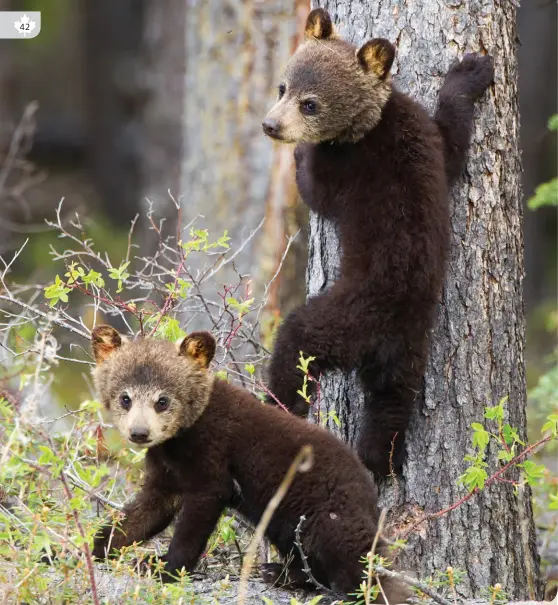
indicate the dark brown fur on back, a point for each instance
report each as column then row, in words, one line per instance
column 387, row 192
column 189, row 476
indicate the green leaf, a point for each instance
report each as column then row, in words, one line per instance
column 473, row 478
column 533, row 471
column 180, row 288
column 553, row 502
column 167, row 327
column 250, row 368
column 304, row 362
column 74, row 273
column 553, row 122
column 47, row 456
column 92, row 406
column 332, row 414
column 551, row 425
column 119, row 274
column 57, row 291
column 505, row 456
column 481, row 437
column 242, row 307
column 511, row 435
column 93, row 278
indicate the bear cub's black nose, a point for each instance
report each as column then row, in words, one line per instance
column 271, row 127
column 139, row 435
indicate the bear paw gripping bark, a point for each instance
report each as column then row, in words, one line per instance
column 372, row 161
column 212, row 445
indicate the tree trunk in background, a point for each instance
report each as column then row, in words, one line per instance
column 538, row 100
column 234, row 53
column 115, row 95
column 285, row 215
column 478, row 344
column 164, row 58
column 163, row 72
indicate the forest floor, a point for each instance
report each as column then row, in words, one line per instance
column 210, row 588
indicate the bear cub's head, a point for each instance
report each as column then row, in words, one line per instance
column 153, row 388
column 331, row 90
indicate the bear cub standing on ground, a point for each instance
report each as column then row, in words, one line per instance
column 372, row 161
column 202, row 434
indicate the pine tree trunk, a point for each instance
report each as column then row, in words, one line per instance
column 234, row 53
column 477, row 346
column 163, row 62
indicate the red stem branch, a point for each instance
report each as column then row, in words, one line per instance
column 491, row 479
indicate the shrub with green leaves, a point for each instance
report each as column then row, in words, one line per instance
column 62, row 467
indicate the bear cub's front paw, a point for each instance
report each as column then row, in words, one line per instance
column 158, row 566
column 471, row 76
column 101, row 543
column 380, row 457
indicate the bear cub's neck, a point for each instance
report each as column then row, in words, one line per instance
column 370, row 116
column 189, row 444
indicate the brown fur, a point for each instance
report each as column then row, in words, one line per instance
column 189, row 476
column 373, row 162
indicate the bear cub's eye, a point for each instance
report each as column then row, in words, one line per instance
column 309, row 107
column 125, row 402
column 162, row 404
column 282, row 88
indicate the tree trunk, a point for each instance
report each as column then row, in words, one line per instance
column 234, row 53
column 164, row 58
column 285, row 216
column 477, row 346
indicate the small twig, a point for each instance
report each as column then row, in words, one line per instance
column 236, row 253
column 301, row 464
column 379, row 583
column 397, row 575
column 130, row 234
column 8, row 265
column 391, row 453
column 304, row 558
column 50, row 318
column 86, row 550
column 449, row 571
column 370, row 556
column 25, row 126
column 31, row 406
column 77, row 482
column 262, row 386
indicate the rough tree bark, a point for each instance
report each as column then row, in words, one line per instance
column 477, row 347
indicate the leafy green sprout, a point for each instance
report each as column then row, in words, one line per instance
column 304, row 367
column 506, row 439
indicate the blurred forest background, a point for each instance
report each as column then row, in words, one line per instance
column 137, row 98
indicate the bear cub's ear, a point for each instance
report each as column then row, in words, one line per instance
column 104, row 341
column 377, row 56
column 319, row 25
column 199, row 346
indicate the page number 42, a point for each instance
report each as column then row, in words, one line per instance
column 25, row 25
